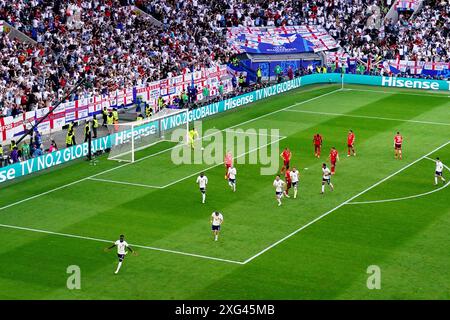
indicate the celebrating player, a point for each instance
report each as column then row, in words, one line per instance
column 350, row 144
column 193, row 134
column 317, row 141
column 398, row 140
column 202, row 181
column 294, row 174
column 326, row 178
column 278, row 184
column 334, row 156
column 286, row 155
column 438, row 173
column 216, row 222
column 228, row 162
column 287, row 175
column 122, row 247
column 232, row 178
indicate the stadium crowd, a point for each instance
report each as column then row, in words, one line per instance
column 114, row 46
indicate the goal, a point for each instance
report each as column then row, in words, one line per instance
column 127, row 139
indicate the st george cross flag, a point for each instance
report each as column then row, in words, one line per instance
column 415, row 67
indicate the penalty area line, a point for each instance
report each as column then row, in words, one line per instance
column 67, row 235
column 343, row 204
column 406, row 197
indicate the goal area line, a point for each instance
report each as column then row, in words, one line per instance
column 188, row 176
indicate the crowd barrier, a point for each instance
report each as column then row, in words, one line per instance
column 75, row 152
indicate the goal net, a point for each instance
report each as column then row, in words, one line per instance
column 128, row 138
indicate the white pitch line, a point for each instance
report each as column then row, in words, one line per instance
column 407, row 197
column 126, row 183
column 159, row 152
column 286, row 108
column 244, row 133
column 368, row 117
column 214, row 166
column 436, row 95
column 342, row 204
column 109, row 241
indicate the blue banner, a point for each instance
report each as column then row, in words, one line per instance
column 280, row 40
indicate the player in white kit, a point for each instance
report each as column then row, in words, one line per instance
column 326, row 178
column 202, row 181
column 294, row 179
column 438, row 172
column 278, row 184
column 232, row 178
column 122, row 247
column 216, row 222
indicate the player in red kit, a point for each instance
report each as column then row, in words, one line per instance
column 317, row 141
column 398, row 140
column 350, row 144
column 288, row 182
column 286, row 155
column 334, row 156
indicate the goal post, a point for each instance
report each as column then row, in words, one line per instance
column 170, row 125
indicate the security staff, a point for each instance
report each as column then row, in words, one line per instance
column 105, row 116
column 1, row 156
column 148, row 111
column 115, row 115
column 87, row 131
column 139, row 117
column 241, row 80
column 258, row 75
column 13, row 145
column 94, row 127
column 160, row 103
column 110, row 119
column 70, row 138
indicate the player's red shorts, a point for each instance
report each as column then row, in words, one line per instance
column 398, row 146
column 316, row 148
column 333, row 163
column 286, row 163
column 288, row 184
column 228, row 165
column 350, row 145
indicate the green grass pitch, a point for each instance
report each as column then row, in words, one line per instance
column 383, row 212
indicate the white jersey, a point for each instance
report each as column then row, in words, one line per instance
column 202, row 181
column 217, row 220
column 278, row 184
column 294, row 176
column 439, row 166
column 232, row 173
column 121, row 246
column 326, row 173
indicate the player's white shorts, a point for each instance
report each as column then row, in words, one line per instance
column 295, row 184
column 278, row 194
column 328, row 181
column 231, row 180
column 203, row 190
column 439, row 173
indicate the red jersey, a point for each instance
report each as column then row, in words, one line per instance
column 350, row 138
column 317, row 140
column 288, row 176
column 333, row 155
column 286, row 155
column 398, row 139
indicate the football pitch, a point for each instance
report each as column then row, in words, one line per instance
column 383, row 212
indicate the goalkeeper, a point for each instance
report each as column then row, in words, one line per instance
column 193, row 134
